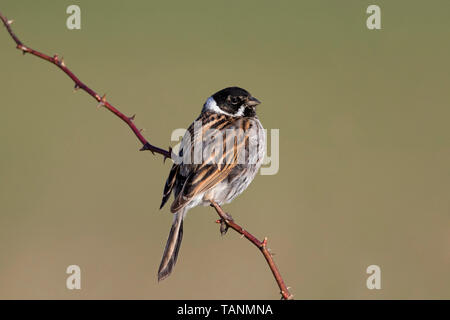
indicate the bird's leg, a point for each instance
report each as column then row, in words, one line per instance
column 224, row 216
column 223, row 227
column 228, row 216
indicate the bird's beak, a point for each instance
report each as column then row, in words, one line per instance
column 252, row 102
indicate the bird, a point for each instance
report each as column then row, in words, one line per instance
column 219, row 156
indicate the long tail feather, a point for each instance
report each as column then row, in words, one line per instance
column 172, row 247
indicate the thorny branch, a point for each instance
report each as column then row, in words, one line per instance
column 224, row 218
column 261, row 245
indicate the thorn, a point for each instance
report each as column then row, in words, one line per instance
column 145, row 147
column 242, row 236
column 23, row 48
column 76, row 87
column 132, row 117
column 170, row 152
column 55, row 58
column 10, row 22
column 102, row 101
column 218, row 221
column 264, row 241
column 62, row 62
column 142, row 130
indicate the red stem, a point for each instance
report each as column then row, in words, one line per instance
column 261, row 245
column 80, row 85
column 147, row 146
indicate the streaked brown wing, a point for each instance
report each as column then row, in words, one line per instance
column 205, row 176
column 170, row 183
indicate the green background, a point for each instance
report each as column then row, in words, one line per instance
column 364, row 148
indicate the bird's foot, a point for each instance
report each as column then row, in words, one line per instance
column 223, row 227
column 223, row 224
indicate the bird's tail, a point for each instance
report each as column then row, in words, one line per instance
column 172, row 246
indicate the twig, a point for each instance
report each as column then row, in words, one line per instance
column 59, row 62
column 261, row 245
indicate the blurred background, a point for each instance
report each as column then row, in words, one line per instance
column 364, row 148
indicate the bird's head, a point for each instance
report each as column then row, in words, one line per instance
column 232, row 101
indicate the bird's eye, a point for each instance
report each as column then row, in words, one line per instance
column 234, row 100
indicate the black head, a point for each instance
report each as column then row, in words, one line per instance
column 233, row 101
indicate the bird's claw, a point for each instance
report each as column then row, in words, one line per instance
column 223, row 227
column 223, row 224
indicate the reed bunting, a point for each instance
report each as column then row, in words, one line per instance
column 219, row 156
